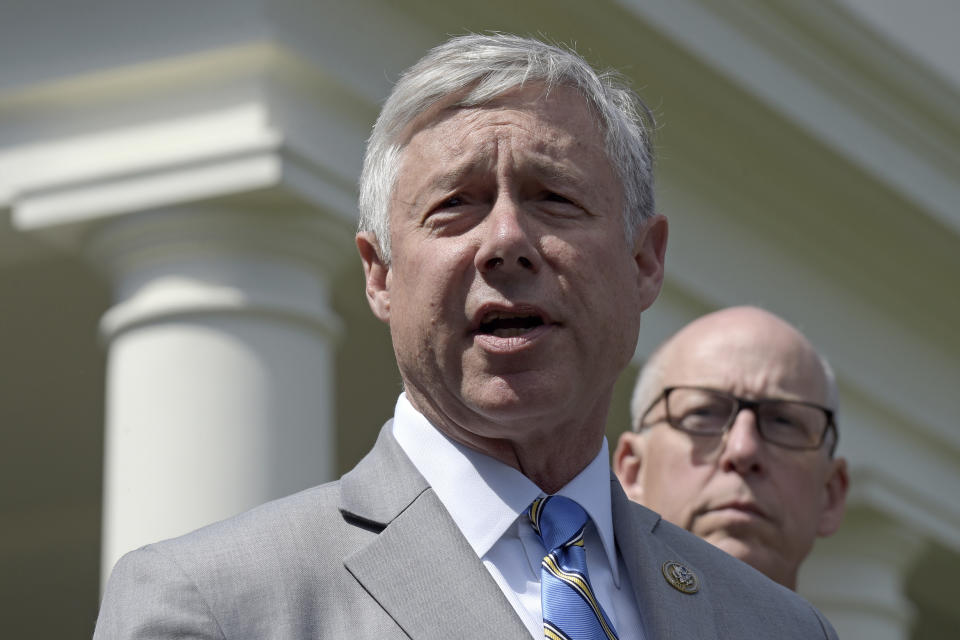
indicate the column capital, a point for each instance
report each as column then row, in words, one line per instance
column 206, row 259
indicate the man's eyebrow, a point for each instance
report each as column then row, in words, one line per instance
column 453, row 176
column 444, row 181
column 555, row 170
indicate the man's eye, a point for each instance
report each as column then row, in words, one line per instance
column 708, row 411
column 785, row 421
column 556, row 197
column 451, row 202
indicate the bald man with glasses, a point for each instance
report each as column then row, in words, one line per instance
column 733, row 439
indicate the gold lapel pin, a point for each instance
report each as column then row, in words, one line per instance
column 680, row 577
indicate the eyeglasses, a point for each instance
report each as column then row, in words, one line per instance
column 705, row 412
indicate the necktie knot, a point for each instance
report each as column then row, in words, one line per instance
column 559, row 521
column 570, row 608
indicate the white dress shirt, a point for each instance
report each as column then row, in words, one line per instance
column 488, row 501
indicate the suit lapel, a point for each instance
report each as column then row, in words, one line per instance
column 666, row 611
column 420, row 568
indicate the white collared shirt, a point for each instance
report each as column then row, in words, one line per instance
column 488, row 501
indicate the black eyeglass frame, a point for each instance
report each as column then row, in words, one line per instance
column 741, row 404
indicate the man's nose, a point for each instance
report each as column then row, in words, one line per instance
column 742, row 444
column 506, row 244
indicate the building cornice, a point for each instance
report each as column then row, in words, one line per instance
column 212, row 125
column 824, row 70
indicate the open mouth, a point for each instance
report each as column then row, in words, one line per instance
column 504, row 324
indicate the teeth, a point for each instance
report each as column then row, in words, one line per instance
column 493, row 316
column 505, row 324
column 500, row 315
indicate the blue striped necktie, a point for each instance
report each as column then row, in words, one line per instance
column 570, row 609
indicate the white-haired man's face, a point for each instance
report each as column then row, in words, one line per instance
column 513, row 296
column 762, row 503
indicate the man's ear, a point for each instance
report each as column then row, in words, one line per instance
column 649, row 252
column 377, row 274
column 835, row 499
column 627, row 458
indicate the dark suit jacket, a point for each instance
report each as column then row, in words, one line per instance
column 376, row 555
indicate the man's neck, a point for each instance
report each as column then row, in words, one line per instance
column 548, row 451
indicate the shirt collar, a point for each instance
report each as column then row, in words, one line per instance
column 485, row 496
column 591, row 490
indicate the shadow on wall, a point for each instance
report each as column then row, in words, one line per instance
column 51, row 462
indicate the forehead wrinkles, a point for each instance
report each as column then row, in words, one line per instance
column 492, row 128
column 478, row 138
column 749, row 365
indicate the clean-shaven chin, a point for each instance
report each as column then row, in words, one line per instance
column 732, row 517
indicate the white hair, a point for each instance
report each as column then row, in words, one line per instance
column 479, row 68
column 833, row 392
column 649, row 385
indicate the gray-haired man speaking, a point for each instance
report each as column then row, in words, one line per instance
column 509, row 241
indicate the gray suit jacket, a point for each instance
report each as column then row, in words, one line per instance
column 376, row 555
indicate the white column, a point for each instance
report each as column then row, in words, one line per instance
column 220, row 367
column 857, row 577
